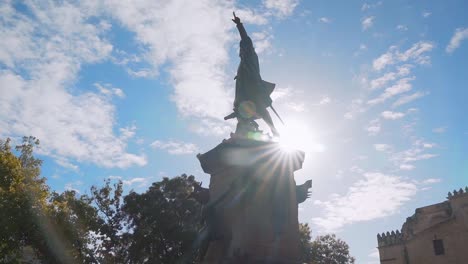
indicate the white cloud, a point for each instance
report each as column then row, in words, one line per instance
column 382, row 147
column 381, row 81
column 402, row 86
column 367, row 6
column 175, row 147
column 325, row 100
column 383, row 60
column 404, row 159
column 357, row 107
column 127, row 132
column 325, row 20
column 48, row 49
column 407, row 167
column 262, row 41
column 401, row 71
column 72, row 186
column 282, row 7
column 439, row 130
column 432, row 181
column 108, row 89
column 417, row 53
column 373, row 128
column 402, row 27
column 135, row 180
column 408, row 98
column 459, row 35
column 392, row 115
column 375, row 196
column 426, row 14
column 367, row 22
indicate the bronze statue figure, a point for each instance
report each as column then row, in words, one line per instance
column 252, row 93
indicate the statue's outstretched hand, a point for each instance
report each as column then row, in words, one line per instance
column 236, row 19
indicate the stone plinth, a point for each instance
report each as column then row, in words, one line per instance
column 253, row 200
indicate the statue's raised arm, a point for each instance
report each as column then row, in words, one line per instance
column 240, row 27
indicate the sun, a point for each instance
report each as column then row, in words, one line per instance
column 296, row 135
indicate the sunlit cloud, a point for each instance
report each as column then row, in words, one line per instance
column 408, row 98
column 392, row 115
column 281, row 8
column 460, row 35
column 375, row 196
column 440, row 130
column 49, row 50
column 367, row 22
column 383, row 147
column 325, row 20
column 175, row 147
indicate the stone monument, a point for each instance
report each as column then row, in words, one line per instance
column 251, row 207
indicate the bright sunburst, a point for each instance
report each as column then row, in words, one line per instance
column 296, row 135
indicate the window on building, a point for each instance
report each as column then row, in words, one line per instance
column 438, row 247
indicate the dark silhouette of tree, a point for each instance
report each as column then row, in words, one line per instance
column 113, row 239
column 164, row 221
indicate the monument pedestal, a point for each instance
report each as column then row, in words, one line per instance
column 252, row 211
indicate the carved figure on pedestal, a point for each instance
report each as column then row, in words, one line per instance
column 252, row 93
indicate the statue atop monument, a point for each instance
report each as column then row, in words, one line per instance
column 250, row 211
column 252, row 93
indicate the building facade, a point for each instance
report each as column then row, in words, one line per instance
column 435, row 234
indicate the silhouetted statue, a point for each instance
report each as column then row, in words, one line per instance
column 252, row 93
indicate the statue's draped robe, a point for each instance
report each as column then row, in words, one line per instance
column 249, row 83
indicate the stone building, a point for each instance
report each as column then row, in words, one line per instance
column 435, row 234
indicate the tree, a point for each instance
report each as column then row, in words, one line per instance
column 55, row 226
column 327, row 249
column 112, row 239
column 23, row 199
column 305, row 243
column 164, row 221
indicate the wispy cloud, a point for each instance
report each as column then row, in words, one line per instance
column 401, row 71
column 408, row 98
column 402, row 86
column 418, row 151
column 73, row 186
column 417, row 53
column 426, row 14
column 460, row 35
column 108, row 89
column 392, row 115
column 440, row 130
column 325, row 20
column 140, row 182
column 367, row 6
column 375, row 196
column 373, row 128
column 402, row 27
column 431, row 181
column 281, row 7
column 383, row 147
column 367, row 22
column 175, row 147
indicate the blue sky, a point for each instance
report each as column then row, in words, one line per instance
column 373, row 91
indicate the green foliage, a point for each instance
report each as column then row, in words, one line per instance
column 23, row 197
column 327, row 249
